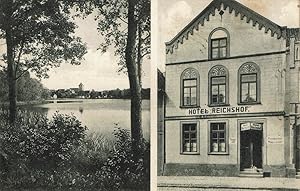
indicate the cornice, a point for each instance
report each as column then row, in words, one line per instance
column 234, row 7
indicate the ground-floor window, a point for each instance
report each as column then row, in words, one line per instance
column 218, row 140
column 190, row 137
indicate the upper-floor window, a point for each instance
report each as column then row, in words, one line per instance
column 218, row 85
column 249, row 82
column 189, row 88
column 218, row 43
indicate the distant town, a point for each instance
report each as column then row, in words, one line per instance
column 81, row 93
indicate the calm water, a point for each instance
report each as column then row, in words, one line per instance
column 99, row 115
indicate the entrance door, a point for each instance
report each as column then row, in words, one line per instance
column 251, row 149
column 297, row 150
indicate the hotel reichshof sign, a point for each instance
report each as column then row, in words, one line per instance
column 217, row 110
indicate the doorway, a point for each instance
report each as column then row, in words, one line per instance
column 251, row 147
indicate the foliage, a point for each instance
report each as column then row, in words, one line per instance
column 34, row 142
column 92, row 153
column 56, row 154
column 112, row 94
column 28, row 89
column 112, row 17
column 125, row 26
column 3, row 87
column 113, row 24
column 39, row 35
column 41, row 32
column 121, row 170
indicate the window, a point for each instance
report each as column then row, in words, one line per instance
column 218, row 48
column 218, row 43
column 218, row 85
column 249, row 83
column 218, row 137
column 189, row 91
column 189, row 138
column 297, row 52
column 189, row 88
column 248, row 88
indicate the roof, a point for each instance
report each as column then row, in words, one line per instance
column 232, row 5
column 294, row 33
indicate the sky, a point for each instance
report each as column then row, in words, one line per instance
column 98, row 71
column 173, row 15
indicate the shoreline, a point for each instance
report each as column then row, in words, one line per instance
column 63, row 100
column 22, row 103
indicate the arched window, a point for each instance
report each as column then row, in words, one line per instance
column 218, row 43
column 249, row 83
column 190, row 88
column 218, row 85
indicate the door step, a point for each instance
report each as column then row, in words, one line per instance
column 251, row 172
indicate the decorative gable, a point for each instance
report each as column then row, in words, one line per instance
column 234, row 8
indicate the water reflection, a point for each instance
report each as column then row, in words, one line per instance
column 81, row 110
column 99, row 115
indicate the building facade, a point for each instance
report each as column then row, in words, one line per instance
column 232, row 88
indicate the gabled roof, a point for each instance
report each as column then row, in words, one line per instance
column 232, row 5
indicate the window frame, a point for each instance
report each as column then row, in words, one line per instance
column 182, row 87
column 255, row 69
column 226, row 137
column 219, row 47
column 296, row 52
column 210, row 47
column 182, row 152
column 211, row 75
column 190, row 90
column 248, row 83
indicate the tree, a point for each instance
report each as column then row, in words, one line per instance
column 3, row 86
column 93, row 94
column 28, row 89
column 125, row 26
column 39, row 36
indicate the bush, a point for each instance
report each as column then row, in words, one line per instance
column 121, row 170
column 92, row 153
column 57, row 154
column 35, row 142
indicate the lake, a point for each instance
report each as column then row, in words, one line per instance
column 99, row 115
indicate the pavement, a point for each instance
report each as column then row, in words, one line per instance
column 211, row 183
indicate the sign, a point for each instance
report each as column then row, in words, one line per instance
column 256, row 126
column 245, row 126
column 251, row 126
column 217, row 110
column 275, row 140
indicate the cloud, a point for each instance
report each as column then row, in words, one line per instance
column 171, row 20
column 289, row 14
column 175, row 18
column 98, row 71
column 282, row 12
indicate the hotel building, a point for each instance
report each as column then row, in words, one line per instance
column 231, row 93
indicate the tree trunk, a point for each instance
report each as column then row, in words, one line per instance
column 134, row 81
column 139, row 54
column 11, row 74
